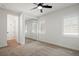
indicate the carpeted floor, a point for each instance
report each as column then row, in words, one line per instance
column 35, row 48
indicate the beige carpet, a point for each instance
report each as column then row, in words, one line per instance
column 36, row 48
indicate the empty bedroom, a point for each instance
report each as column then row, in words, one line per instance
column 39, row 29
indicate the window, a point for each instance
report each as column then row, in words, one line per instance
column 26, row 28
column 71, row 26
column 42, row 28
column 34, row 27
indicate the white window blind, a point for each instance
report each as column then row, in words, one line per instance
column 71, row 26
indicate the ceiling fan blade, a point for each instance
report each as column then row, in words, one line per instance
column 41, row 10
column 41, row 3
column 46, row 6
column 35, row 3
column 34, row 8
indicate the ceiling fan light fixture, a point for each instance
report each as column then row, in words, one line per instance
column 40, row 7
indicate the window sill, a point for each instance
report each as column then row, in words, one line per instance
column 71, row 36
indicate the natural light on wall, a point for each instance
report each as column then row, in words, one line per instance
column 71, row 26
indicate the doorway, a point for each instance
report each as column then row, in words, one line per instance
column 31, row 30
column 12, row 30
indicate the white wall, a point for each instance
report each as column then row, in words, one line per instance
column 3, row 28
column 53, row 28
column 22, row 29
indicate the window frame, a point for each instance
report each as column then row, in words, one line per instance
column 71, row 35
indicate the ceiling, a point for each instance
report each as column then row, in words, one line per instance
column 26, row 7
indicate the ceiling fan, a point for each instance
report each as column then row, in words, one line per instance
column 40, row 6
